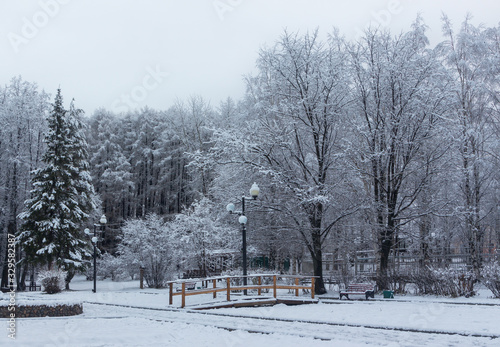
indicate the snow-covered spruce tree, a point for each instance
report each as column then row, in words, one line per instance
column 61, row 199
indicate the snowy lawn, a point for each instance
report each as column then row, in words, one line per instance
column 339, row 323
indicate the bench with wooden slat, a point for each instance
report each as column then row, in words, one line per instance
column 189, row 286
column 366, row 289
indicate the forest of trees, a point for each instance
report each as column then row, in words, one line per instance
column 356, row 145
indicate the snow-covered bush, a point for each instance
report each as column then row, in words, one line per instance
column 237, row 280
column 444, row 281
column 490, row 277
column 201, row 234
column 115, row 268
column 423, row 281
column 398, row 281
column 149, row 243
column 53, row 281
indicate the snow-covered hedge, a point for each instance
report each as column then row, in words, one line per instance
column 397, row 281
column 490, row 277
column 42, row 310
column 444, row 281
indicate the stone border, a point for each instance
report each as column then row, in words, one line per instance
column 56, row 310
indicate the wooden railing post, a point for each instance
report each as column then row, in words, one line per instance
column 260, row 283
column 228, row 281
column 312, row 287
column 274, row 286
column 171, row 294
column 215, row 286
column 183, row 303
column 297, row 284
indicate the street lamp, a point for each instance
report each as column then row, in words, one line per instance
column 254, row 193
column 102, row 224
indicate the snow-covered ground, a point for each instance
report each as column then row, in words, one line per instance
column 121, row 314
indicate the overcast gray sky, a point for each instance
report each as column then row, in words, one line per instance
column 126, row 54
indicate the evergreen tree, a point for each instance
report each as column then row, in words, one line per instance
column 62, row 196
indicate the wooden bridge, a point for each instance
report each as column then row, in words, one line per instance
column 228, row 284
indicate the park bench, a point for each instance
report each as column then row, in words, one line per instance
column 305, row 282
column 189, row 286
column 366, row 289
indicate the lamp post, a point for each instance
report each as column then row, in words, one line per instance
column 254, row 193
column 102, row 223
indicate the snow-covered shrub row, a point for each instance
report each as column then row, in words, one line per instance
column 53, row 281
column 398, row 281
column 444, row 281
column 490, row 277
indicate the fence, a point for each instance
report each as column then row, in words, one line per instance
column 367, row 264
column 298, row 282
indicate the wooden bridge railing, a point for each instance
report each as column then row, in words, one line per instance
column 230, row 288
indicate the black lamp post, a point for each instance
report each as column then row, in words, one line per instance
column 254, row 193
column 102, row 224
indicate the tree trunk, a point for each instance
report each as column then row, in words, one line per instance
column 316, row 251
column 5, row 270
column 319, row 284
column 69, row 276
column 385, row 244
column 21, row 272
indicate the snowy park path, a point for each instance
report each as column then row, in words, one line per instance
column 120, row 314
column 105, row 325
column 261, row 322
